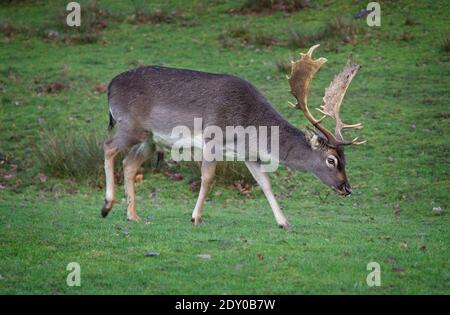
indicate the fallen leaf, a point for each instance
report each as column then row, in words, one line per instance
column 9, row 176
column 52, row 34
column 204, row 256
column 194, row 186
column 398, row 269
column 403, row 245
column 54, row 87
column 176, row 177
column 11, row 75
column 423, row 248
column 100, row 88
column 397, row 214
column 346, row 253
column 260, row 256
column 42, row 177
column 151, row 254
column 17, row 184
column 138, row 178
column 244, row 188
column 391, row 259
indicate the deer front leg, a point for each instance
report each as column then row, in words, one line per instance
column 264, row 182
column 110, row 153
column 208, row 170
column 138, row 154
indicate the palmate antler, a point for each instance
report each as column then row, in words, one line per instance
column 302, row 73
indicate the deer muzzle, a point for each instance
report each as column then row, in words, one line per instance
column 345, row 189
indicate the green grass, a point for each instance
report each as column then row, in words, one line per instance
column 401, row 95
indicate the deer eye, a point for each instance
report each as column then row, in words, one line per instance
column 331, row 161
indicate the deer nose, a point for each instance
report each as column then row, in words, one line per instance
column 346, row 189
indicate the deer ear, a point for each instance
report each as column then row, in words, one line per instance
column 314, row 142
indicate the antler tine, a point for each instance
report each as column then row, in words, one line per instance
column 354, row 141
column 332, row 100
column 302, row 72
column 356, row 126
column 311, row 50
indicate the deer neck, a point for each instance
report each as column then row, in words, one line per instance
column 295, row 152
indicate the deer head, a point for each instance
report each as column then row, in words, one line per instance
column 328, row 160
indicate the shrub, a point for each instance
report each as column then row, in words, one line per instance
column 10, row 30
column 81, row 157
column 264, row 39
column 94, row 19
column 407, row 36
column 241, row 35
column 143, row 14
column 301, row 39
column 240, row 31
column 71, row 156
column 227, row 173
column 283, row 65
column 411, row 21
column 337, row 30
column 445, row 45
column 232, row 172
column 270, row 6
column 340, row 27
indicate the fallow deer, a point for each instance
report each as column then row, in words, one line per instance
column 148, row 102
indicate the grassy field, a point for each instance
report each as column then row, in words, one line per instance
column 52, row 82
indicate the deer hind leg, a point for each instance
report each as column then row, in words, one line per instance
column 111, row 150
column 137, row 155
column 208, row 170
column 264, row 182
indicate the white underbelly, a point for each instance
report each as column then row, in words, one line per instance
column 168, row 142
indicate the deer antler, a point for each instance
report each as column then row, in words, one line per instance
column 334, row 95
column 302, row 72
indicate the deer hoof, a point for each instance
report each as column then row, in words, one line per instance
column 106, row 208
column 286, row 226
column 104, row 212
column 196, row 221
column 134, row 218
